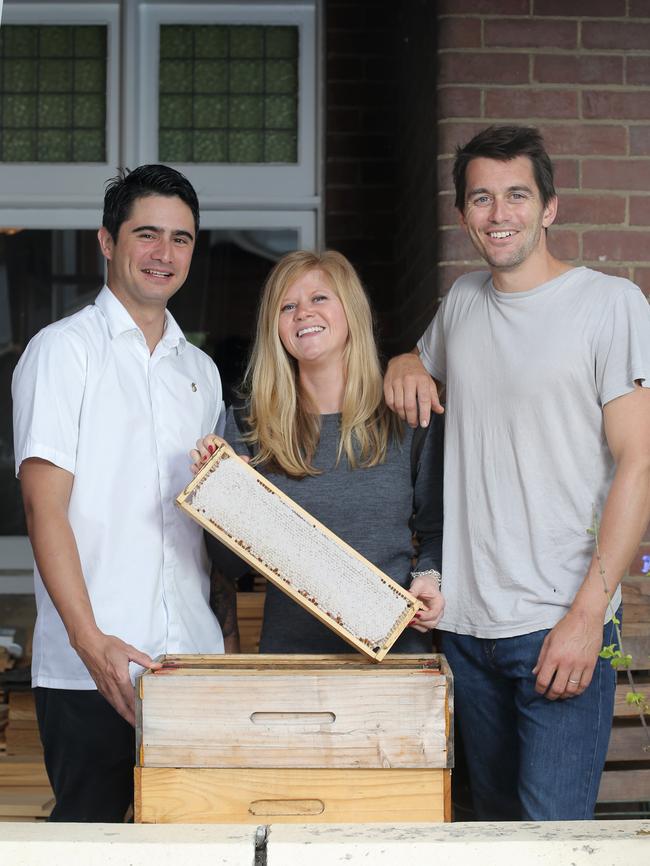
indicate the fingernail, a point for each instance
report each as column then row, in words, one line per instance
column 211, row 449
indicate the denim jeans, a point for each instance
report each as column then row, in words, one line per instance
column 529, row 758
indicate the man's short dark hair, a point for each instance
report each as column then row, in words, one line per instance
column 505, row 143
column 144, row 181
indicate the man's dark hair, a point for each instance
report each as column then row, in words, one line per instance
column 504, row 143
column 144, row 181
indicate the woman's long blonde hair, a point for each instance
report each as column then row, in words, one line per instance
column 284, row 427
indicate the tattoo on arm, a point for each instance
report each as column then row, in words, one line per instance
column 223, row 601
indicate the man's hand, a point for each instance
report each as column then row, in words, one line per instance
column 410, row 391
column 425, row 588
column 569, row 654
column 107, row 659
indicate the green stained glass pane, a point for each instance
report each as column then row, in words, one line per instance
column 89, row 110
column 175, row 112
column 281, row 147
column 280, row 112
column 211, row 41
column 19, row 76
column 210, row 111
column 209, row 146
column 90, row 41
column 210, row 76
column 19, row 110
column 246, row 41
column 90, row 76
column 246, row 112
column 246, row 147
column 88, row 145
column 175, row 41
column 55, row 76
column 281, row 42
column 19, row 146
column 55, row 145
column 56, row 41
column 175, row 76
column 54, row 110
column 246, row 76
column 19, row 41
column 175, row 145
column 281, row 76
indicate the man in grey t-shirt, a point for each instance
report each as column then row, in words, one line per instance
column 547, row 375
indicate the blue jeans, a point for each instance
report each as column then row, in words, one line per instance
column 528, row 758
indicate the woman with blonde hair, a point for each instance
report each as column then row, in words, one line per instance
column 314, row 421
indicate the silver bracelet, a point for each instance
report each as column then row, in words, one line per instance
column 430, row 572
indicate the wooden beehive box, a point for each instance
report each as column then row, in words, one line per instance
column 256, row 739
column 298, row 554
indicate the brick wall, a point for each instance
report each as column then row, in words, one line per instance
column 580, row 71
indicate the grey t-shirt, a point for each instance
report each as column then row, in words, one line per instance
column 370, row 509
column 526, row 459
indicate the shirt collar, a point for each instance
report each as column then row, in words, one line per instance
column 119, row 321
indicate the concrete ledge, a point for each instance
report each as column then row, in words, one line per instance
column 127, row 844
column 574, row 843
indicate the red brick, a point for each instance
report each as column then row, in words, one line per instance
column 455, row 246
column 483, row 7
column 342, row 68
column 530, row 103
column 585, row 139
column 343, row 120
column 450, row 135
column 642, row 278
column 566, row 172
column 614, row 272
column 563, row 244
column 591, row 209
column 580, row 8
column 342, row 173
column 640, row 210
column 344, row 226
column 448, row 274
column 578, row 68
column 459, row 102
column 638, row 9
column 478, row 68
column 447, row 213
column 459, row 33
column 529, row 33
column 616, row 174
column 637, row 70
column 612, row 104
column 640, row 140
column 445, row 180
column 623, row 35
column 617, row 246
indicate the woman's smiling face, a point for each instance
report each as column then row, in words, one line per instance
column 312, row 325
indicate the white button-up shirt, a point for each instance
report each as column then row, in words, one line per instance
column 90, row 398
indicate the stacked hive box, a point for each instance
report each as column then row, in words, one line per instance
column 259, row 739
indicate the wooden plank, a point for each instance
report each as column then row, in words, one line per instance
column 628, row 743
column 625, row 786
column 304, row 559
column 250, row 610
column 23, row 771
column 165, row 795
column 296, row 719
column 186, row 665
column 638, row 646
column 26, row 802
column 623, row 710
column 22, row 706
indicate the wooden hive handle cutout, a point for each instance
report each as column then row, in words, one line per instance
column 299, row 718
column 268, row 808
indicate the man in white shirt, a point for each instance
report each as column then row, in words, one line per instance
column 106, row 404
column 547, row 375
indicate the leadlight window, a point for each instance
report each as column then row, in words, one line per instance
column 53, row 93
column 228, row 94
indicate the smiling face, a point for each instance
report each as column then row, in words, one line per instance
column 151, row 257
column 504, row 215
column 312, row 325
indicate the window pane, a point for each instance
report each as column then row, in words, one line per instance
column 240, row 89
column 53, row 93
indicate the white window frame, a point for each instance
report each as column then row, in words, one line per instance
column 28, row 188
column 224, row 185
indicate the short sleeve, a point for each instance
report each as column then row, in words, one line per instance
column 431, row 346
column 48, row 389
column 623, row 347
